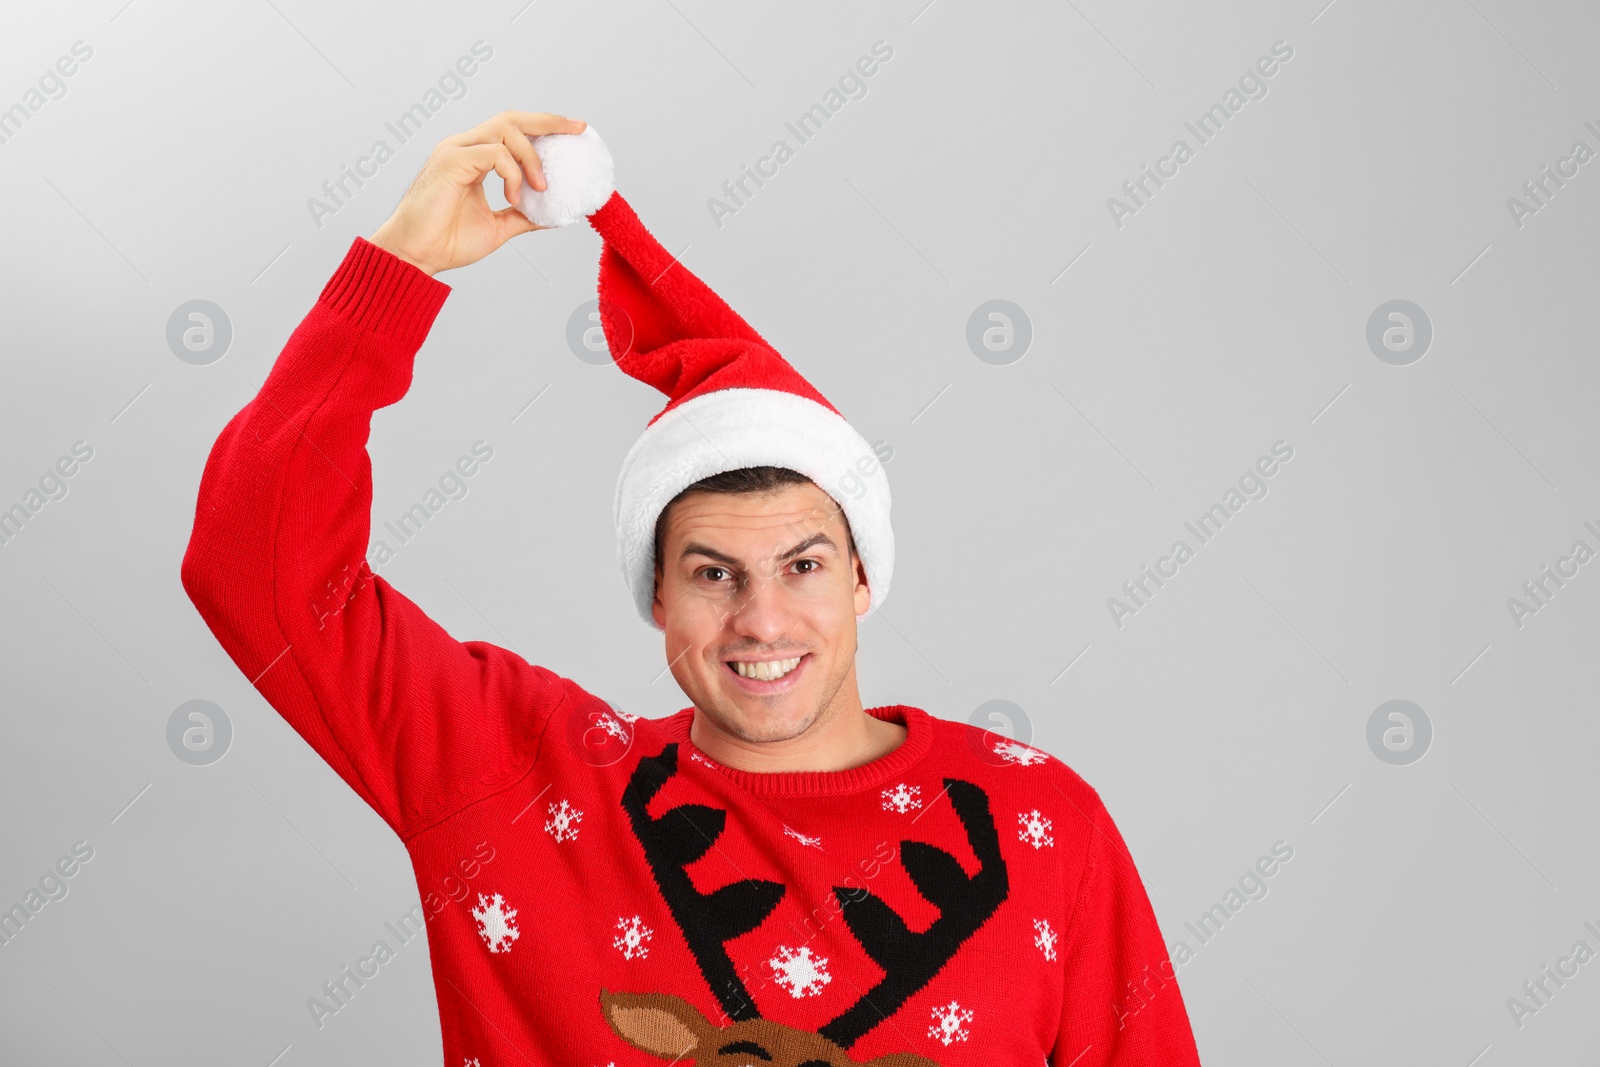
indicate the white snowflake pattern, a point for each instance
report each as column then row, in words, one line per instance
column 798, row 971
column 610, row 725
column 947, row 1023
column 701, row 759
column 632, row 937
column 564, row 819
column 1034, row 829
column 1016, row 752
column 902, row 798
column 497, row 924
column 471, row 1061
column 1044, row 938
column 814, row 842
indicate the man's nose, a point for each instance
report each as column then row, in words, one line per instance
column 763, row 612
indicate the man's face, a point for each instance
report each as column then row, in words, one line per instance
column 760, row 578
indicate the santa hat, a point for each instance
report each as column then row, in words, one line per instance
column 732, row 400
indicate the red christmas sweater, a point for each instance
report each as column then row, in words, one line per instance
column 598, row 891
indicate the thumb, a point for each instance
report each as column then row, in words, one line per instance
column 510, row 222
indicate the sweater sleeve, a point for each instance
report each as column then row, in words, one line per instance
column 417, row 723
column 1122, row 1006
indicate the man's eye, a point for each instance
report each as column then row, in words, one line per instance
column 711, row 572
column 814, row 564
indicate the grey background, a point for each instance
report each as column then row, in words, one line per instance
column 1227, row 314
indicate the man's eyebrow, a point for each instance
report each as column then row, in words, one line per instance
column 818, row 538
column 695, row 548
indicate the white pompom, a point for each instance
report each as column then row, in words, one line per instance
column 579, row 178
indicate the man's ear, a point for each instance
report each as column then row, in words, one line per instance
column 863, row 595
column 658, row 610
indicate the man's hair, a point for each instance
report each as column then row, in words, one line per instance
column 743, row 480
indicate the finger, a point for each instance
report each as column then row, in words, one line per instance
column 480, row 159
column 535, row 123
column 515, row 129
column 531, row 123
column 477, row 135
column 510, row 222
column 521, row 146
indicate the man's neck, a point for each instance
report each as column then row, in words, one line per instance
column 837, row 741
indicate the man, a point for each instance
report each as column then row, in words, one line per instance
column 774, row 875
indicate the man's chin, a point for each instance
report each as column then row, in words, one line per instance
column 767, row 727
column 760, row 720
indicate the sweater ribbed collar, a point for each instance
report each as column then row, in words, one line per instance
column 915, row 745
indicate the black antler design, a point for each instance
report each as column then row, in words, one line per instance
column 910, row 960
column 708, row 920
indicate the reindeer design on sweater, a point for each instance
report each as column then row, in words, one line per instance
column 673, row 1029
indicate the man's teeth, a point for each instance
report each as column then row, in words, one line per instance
column 767, row 670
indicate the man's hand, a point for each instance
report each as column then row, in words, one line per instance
column 444, row 220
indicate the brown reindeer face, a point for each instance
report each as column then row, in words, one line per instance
column 673, row 1029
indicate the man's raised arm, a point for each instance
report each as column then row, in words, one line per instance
column 416, row 722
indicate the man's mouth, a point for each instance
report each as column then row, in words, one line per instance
column 764, row 670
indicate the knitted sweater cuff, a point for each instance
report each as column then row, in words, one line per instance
column 382, row 293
